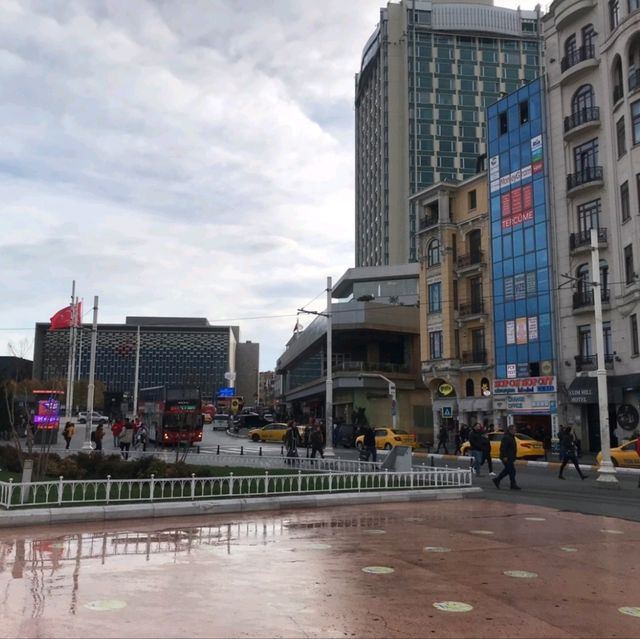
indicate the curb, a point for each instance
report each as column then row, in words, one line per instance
column 526, row 462
column 68, row 514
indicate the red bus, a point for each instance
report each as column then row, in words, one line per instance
column 172, row 414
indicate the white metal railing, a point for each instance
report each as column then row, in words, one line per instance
column 107, row 491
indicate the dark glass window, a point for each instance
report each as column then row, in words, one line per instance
column 585, row 347
column 635, row 121
column 435, row 298
column 620, row 135
column 473, row 201
column 629, row 273
column 583, row 99
column 624, row 201
column 588, row 36
column 635, row 344
column 586, row 155
column 504, row 124
column 524, row 112
column 435, row 344
column 433, row 253
column 614, row 13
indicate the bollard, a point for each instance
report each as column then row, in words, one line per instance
column 218, row 450
column 281, row 450
column 260, row 452
column 242, row 450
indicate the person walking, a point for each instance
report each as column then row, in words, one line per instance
column 443, row 436
column 476, row 447
column 568, row 451
column 458, row 441
column 142, row 436
column 126, row 439
column 316, row 442
column 486, row 451
column 116, row 430
column 291, row 441
column 67, row 433
column 98, row 437
column 508, row 454
column 369, row 443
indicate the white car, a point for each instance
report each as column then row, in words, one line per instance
column 96, row 418
column 220, row 421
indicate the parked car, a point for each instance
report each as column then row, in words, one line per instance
column 526, row 447
column 347, row 435
column 250, row 420
column 221, row 421
column 388, row 438
column 270, row 433
column 268, row 417
column 96, row 418
column 625, row 455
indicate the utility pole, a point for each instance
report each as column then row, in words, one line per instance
column 606, row 472
column 68, row 398
column 136, row 375
column 92, row 374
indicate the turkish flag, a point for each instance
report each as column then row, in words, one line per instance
column 64, row 318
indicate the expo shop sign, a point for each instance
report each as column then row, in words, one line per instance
column 544, row 384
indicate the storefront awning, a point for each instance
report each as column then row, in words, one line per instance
column 583, row 390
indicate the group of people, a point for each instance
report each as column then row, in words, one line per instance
column 313, row 439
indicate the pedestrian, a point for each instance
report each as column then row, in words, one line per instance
column 508, row 454
column 98, row 436
column 306, row 439
column 141, row 436
column 116, row 430
column 369, row 443
column 67, row 433
column 458, row 442
column 486, row 451
column 316, row 442
column 443, row 436
column 476, row 444
column 291, row 441
column 335, row 433
column 126, row 439
column 568, row 451
column 464, row 433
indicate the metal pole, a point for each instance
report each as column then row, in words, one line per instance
column 92, row 373
column 394, row 405
column 606, row 471
column 67, row 407
column 137, row 374
column 74, row 331
column 328, row 411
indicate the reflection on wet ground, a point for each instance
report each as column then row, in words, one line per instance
column 450, row 568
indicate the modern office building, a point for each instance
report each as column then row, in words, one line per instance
column 525, row 384
column 593, row 70
column 173, row 350
column 427, row 74
column 455, row 288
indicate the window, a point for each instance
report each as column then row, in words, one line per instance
column 634, row 5
column 585, row 347
column 475, row 292
column 582, row 283
column 635, row 121
column 624, row 201
column 477, row 344
column 588, row 216
column 608, row 341
column 586, row 156
column 455, row 294
column 583, row 99
column 504, row 126
column 638, row 190
column 435, row 298
column 433, row 253
column 524, row 112
column 635, row 344
column 622, row 145
column 614, row 13
column 570, row 46
column 469, row 388
column 473, row 201
column 435, row 344
column 629, row 273
column 588, row 36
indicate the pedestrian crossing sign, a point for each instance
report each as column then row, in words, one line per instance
column 447, row 412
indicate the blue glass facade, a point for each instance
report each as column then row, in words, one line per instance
column 522, row 296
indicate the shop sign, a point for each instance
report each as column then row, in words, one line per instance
column 526, row 403
column 627, row 417
column 445, row 389
column 546, row 384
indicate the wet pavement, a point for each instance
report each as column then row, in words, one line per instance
column 459, row 568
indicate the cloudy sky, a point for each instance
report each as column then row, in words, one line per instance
column 177, row 157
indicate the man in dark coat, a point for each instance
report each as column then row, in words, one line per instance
column 508, row 454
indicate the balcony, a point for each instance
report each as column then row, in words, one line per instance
column 578, row 60
column 427, row 221
column 379, row 367
column 590, row 362
column 582, row 240
column 634, row 81
column 581, row 120
column 569, row 12
column 471, row 358
column 473, row 260
column 467, row 311
column 584, row 299
column 589, row 176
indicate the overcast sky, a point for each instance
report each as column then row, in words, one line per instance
column 177, row 157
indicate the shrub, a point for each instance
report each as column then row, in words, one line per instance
column 70, row 469
column 9, row 459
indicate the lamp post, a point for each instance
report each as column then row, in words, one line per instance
column 392, row 394
column 92, row 373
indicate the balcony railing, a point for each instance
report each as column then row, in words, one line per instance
column 583, row 238
column 575, row 57
column 585, row 298
column 474, row 357
column 634, row 80
column 590, row 362
column 589, row 114
column 429, row 220
column 586, row 175
column 382, row 367
column 475, row 308
column 618, row 93
column 476, row 257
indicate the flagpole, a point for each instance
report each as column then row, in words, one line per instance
column 137, row 375
column 92, row 373
column 74, row 331
column 67, row 409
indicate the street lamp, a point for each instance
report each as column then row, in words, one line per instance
column 392, row 394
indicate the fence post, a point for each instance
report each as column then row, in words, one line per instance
column 231, row 483
column 411, row 476
column 218, row 450
column 266, row 482
column 242, row 450
column 260, row 452
column 359, row 476
column 152, row 487
column 10, row 496
column 330, row 480
column 281, row 451
column 299, row 481
column 386, row 478
column 60, row 489
column 193, row 486
column 108, row 488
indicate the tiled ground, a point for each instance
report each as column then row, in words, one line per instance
column 300, row 574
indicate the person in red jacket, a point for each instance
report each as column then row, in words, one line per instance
column 116, row 430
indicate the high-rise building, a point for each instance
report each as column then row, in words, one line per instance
column 593, row 69
column 427, row 74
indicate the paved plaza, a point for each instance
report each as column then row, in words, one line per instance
column 454, row 568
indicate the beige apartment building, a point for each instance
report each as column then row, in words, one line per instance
column 456, row 335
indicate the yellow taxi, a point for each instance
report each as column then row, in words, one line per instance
column 625, row 455
column 526, row 447
column 272, row 433
column 387, row 438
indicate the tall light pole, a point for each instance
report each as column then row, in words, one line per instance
column 328, row 410
column 392, row 394
column 606, row 471
column 92, row 374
